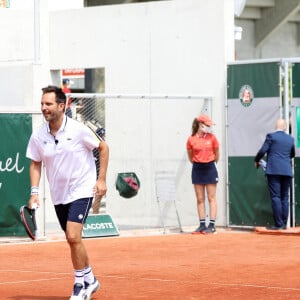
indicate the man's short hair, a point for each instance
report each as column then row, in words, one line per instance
column 60, row 96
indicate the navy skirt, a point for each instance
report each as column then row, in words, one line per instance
column 205, row 173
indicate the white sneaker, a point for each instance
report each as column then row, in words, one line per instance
column 79, row 292
column 91, row 288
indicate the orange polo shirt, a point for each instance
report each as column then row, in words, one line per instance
column 203, row 147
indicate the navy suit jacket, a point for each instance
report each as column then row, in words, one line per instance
column 280, row 149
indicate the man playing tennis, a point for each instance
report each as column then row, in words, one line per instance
column 65, row 147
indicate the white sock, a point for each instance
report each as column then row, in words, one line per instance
column 79, row 276
column 88, row 275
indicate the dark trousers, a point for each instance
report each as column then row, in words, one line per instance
column 279, row 187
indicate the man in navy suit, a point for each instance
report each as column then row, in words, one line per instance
column 280, row 149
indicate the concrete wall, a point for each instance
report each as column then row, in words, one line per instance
column 169, row 47
column 16, row 35
column 152, row 40
column 23, row 70
column 150, row 137
column 176, row 47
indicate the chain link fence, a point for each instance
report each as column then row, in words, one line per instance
column 91, row 111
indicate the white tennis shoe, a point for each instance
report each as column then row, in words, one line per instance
column 79, row 292
column 91, row 288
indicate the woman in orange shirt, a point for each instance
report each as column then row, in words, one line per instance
column 203, row 152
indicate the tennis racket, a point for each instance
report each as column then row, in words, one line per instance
column 28, row 220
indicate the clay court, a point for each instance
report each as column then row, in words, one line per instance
column 227, row 265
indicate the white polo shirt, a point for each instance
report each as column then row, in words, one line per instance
column 68, row 159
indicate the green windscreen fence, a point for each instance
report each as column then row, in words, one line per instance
column 14, row 171
column 295, row 124
column 253, row 105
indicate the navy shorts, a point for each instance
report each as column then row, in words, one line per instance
column 76, row 211
column 205, row 173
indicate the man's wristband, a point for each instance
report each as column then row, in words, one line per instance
column 34, row 190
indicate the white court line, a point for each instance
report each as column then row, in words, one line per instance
column 256, row 286
column 209, row 283
column 30, row 271
column 35, row 280
column 148, row 279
